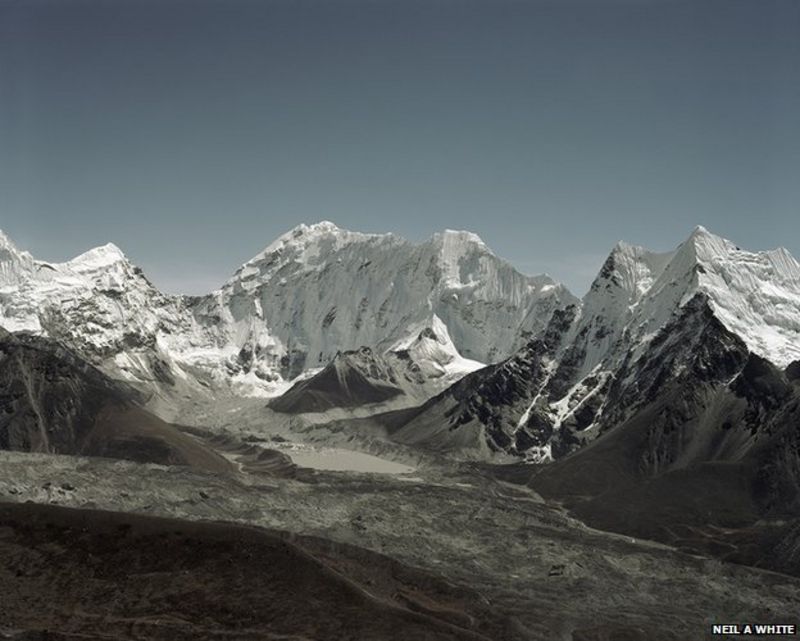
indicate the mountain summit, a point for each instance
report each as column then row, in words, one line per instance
column 754, row 294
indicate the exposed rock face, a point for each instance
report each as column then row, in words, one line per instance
column 50, row 398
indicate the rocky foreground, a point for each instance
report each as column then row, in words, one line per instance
column 471, row 557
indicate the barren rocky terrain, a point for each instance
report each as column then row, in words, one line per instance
column 540, row 574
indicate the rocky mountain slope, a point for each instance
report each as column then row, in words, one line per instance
column 710, row 462
column 316, row 291
column 52, row 401
column 668, row 400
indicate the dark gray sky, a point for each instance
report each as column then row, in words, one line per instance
column 193, row 133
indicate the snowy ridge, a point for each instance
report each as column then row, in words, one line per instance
column 305, row 248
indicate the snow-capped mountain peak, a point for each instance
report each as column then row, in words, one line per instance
column 305, row 247
column 702, row 247
column 650, row 318
column 453, row 240
column 755, row 294
column 5, row 241
column 301, row 236
column 97, row 258
column 15, row 265
column 630, row 268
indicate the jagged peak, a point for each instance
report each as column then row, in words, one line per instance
column 321, row 227
column 5, row 241
column 703, row 245
column 707, row 249
column 632, row 268
column 699, row 242
column 304, row 236
column 455, row 240
column 15, row 265
column 326, row 225
column 299, row 234
column 754, row 294
column 460, row 234
column 12, row 249
column 623, row 248
column 98, row 257
column 785, row 263
column 635, row 269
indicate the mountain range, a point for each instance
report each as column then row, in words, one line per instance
column 480, row 360
column 448, row 303
column 663, row 405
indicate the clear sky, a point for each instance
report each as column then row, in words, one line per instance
column 192, row 133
